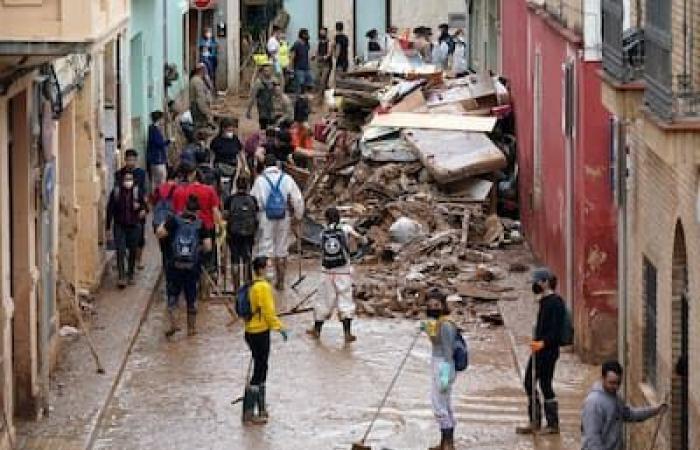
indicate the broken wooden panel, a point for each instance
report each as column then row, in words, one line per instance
column 448, row 122
column 452, row 156
column 388, row 150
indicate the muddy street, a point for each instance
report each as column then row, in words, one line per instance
column 322, row 395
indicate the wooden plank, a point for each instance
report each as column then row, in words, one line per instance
column 410, row 103
column 434, row 122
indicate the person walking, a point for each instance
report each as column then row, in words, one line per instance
column 257, row 336
column 200, row 98
column 282, row 104
column 551, row 319
column 273, row 49
column 335, row 290
column 276, row 193
column 604, row 411
column 185, row 241
column 157, row 150
column 261, row 95
column 226, row 145
column 209, row 50
column 374, row 49
column 241, row 212
column 341, row 52
column 126, row 209
column 324, row 61
column 301, row 62
column 442, row 333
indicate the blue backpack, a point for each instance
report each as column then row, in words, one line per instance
column 185, row 244
column 276, row 204
column 460, row 353
column 244, row 309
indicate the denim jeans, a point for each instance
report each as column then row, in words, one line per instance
column 303, row 78
column 182, row 281
column 126, row 239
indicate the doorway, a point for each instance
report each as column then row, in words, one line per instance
column 679, row 347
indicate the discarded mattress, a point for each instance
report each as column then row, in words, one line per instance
column 453, row 155
column 385, row 145
column 434, row 122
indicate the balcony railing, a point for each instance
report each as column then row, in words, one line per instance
column 623, row 50
column 657, row 71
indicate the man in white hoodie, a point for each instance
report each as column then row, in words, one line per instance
column 280, row 199
column 604, row 412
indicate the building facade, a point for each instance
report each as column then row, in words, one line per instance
column 62, row 120
column 654, row 98
column 551, row 56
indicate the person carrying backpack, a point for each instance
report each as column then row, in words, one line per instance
column 552, row 320
column 185, row 241
column 335, row 290
column 261, row 320
column 280, row 200
column 162, row 201
column 242, row 224
column 449, row 356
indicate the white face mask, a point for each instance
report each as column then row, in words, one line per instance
column 270, row 274
column 128, row 184
column 228, row 135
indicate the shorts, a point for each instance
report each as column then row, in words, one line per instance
column 241, row 248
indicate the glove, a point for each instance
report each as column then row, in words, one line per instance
column 536, row 346
column 285, row 335
column 444, row 373
column 424, row 326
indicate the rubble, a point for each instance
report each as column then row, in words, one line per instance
column 417, row 161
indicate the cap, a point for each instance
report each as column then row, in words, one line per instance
column 542, row 274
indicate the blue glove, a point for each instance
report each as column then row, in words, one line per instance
column 444, row 376
column 423, row 326
column 285, row 335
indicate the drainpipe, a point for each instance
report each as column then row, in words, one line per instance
column 165, row 58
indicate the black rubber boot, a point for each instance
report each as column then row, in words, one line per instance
column 262, row 407
column 248, row 406
column 315, row 332
column 347, row 330
column 448, row 439
column 173, row 325
column 551, row 413
column 535, row 417
column 191, row 323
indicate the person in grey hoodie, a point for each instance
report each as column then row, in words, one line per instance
column 604, row 411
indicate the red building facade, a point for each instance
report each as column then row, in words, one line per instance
column 566, row 195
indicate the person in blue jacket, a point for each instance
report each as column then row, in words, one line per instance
column 157, row 151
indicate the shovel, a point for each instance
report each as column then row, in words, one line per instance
column 361, row 445
column 301, row 277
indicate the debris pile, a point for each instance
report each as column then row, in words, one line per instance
column 424, row 165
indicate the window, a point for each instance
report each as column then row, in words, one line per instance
column 649, row 335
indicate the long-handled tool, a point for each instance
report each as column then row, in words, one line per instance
column 659, row 421
column 81, row 323
column 247, row 383
column 299, row 257
column 361, row 445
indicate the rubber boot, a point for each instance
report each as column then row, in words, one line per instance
column 449, row 439
column 191, row 323
column 347, row 327
column 535, row 419
column 315, row 332
column 173, row 325
column 236, row 275
column 281, row 269
column 255, row 419
column 249, row 399
column 551, row 413
column 262, row 407
column 440, row 445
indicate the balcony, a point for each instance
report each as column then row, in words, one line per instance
column 59, row 21
column 623, row 50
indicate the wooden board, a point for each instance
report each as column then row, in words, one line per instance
column 455, row 155
column 410, row 103
column 434, row 122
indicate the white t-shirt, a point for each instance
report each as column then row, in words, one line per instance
column 273, row 47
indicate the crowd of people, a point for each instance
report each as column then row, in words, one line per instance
column 239, row 192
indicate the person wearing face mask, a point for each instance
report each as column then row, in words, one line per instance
column 226, row 145
column 209, row 53
column 442, row 333
column 126, row 209
column 547, row 338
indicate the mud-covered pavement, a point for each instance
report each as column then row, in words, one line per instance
column 177, row 395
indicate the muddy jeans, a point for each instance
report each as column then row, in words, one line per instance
column 441, row 400
column 126, row 239
column 259, row 344
column 179, row 281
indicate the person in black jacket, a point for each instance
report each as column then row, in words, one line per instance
column 226, row 145
column 545, row 350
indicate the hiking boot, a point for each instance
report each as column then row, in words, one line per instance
column 191, row 324
column 280, row 269
column 315, row 332
column 530, row 428
column 174, row 327
column 347, row 326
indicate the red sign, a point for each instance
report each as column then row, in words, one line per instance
column 202, row 4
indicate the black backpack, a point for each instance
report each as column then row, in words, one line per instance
column 334, row 248
column 243, row 215
column 185, row 244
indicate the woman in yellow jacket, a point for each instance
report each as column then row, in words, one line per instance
column 257, row 336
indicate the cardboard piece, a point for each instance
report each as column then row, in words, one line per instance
column 452, row 156
column 434, row 122
column 410, row 103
